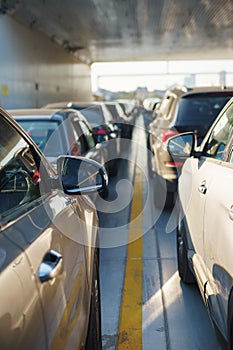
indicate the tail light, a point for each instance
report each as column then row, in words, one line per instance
column 100, row 135
column 166, row 134
column 174, row 164
column 100, row 132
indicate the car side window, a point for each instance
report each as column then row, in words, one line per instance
column 19, row 175
column 217, row 141
column 88, row 135
column 77, row 147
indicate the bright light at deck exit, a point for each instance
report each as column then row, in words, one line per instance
column 127, row 76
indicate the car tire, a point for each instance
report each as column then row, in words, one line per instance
column 185, row 273
column 230, row 321
column 170, row 199
column 93, row 341
column 162, row 198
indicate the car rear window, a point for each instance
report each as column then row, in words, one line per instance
column 93, row 114
column 41, row 131
column 113, row 110
column 200, row 109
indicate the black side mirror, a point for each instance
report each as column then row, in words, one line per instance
column 79, row 175
column 182, row 146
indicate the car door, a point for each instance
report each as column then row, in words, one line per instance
column 51, row 233
column 58, row 260
column 91, row 150
column 196, row 176
column 21, row 316
column 218, row 240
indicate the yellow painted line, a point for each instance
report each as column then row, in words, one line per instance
column 130, row 323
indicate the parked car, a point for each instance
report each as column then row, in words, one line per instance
column 103, row 129
column 150, row 103
column 204, row 232
column 149, row 106
column 181, row 110
column 49, row 291
column 59, row 132
column 117, row 114
column 131, row 111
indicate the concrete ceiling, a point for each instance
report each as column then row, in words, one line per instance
column 132, row 30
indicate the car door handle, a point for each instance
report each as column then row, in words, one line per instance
column 202, row 189
column 231, row 212
column 51, row 266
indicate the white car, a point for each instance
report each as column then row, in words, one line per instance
column 205, row 228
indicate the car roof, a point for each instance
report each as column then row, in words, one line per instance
column 69, row 104
column 32, row 112
column 183, row 90
column 45, row 113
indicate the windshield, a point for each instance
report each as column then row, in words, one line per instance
column 200, row 109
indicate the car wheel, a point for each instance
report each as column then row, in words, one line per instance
column 93, row 341
column 170, row 199
column 230, row 321
column 185, row 273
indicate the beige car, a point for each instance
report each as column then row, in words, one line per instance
column 205, row 229
column 49, row 291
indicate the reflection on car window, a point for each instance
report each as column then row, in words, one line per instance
column 200, row 109
column 45, row 134
column 93, row 115
column 88, row 135
column 19, row 176
column 79, row 174
column 77, row 144
column 217, row 141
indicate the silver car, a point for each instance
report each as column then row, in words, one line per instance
column 58, row 132
column 205, row 229
column 104, row 130
column 49, row 292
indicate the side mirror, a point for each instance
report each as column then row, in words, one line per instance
column 80, row 175
column 182, row 145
